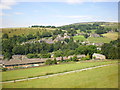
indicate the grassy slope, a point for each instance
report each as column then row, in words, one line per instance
column 112, row 35
column 105, row 77
column 24, row 73
column 79, row 37
column 25, row 31
column 99, row 39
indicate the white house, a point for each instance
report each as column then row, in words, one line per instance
column 97, row 56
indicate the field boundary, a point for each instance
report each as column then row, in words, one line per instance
column 47, row 76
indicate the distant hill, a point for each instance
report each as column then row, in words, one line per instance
column 80, row 27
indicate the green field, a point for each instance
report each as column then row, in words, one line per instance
column 104, row 77
column 25, row 31
column 79, row 37
column 99, row 39
column 112, row 35
column 38, row 71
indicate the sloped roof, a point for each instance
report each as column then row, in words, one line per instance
column 15, row 61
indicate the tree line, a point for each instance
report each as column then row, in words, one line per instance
column 111, row 50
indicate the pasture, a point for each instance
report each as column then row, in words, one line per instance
column 111, row 35
column 79, row 37
column 45, row 70
column 104, row 77
column 24, row 31
column 99, row 39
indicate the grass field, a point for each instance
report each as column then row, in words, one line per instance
column 99, row 39
column 79, row 37
column 112, row 35
column 25, row 31
column 38, row 71
column 104, row 77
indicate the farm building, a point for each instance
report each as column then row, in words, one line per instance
column 97, row 56
column 19, row 57
column 22, row 63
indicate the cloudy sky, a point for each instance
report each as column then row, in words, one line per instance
column 59, row 12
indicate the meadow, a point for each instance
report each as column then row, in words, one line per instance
column 111, row 35
column 79, row 37
column 104, row 77
column 99, row 39
column 24, row 31
column 45, row 70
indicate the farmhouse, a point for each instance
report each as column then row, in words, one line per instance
column 96, row 56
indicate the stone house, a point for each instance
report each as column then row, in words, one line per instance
column 97, row 56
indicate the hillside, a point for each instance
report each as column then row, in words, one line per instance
column 40, row 41
column 24, row 31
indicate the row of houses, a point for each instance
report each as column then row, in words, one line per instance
column 23, row 61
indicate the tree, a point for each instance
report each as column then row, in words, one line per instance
column 111, row 50
column 74, row 58
column 19, row 49
column 54, row 61
column 86, row 35
column 7, row 55
column 5, row 36
column 32, row 56
column 48, row 62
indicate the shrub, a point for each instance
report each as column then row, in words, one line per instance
column 54, row 61
column 49, row 62
column 45, row 55
column 4, row 69
column 49, row 73
column 32, row 56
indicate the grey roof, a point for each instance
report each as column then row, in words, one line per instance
column 14, row 61
column 28, row 61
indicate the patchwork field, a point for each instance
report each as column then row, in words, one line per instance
column 39, row 71
column 112, row 35
column 99, row 39
column 104, row 77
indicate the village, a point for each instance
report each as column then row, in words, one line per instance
column 21, row 61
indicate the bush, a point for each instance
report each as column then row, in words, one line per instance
column 45, row 56
column 54, row 61
column 74, row 58
column 32, row 56
column 49, row 62
column 4, row 69
column 49, row 73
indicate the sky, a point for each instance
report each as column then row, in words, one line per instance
column 25, row 14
